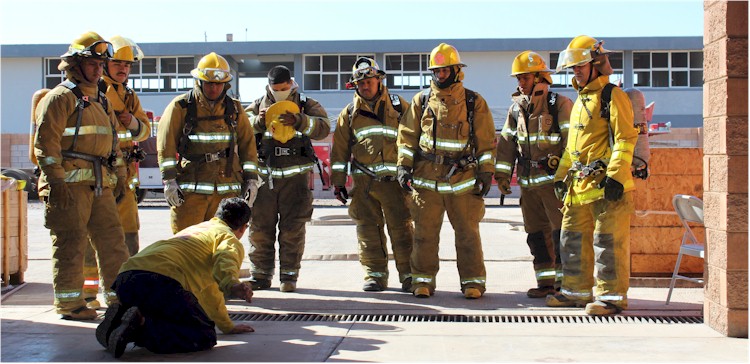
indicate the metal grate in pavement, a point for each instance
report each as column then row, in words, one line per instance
column 527, row 319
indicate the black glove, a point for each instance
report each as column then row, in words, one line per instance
column 613, row 190
column 483, row 183
column 404, row 177
column 341, row 194
column 120, row 188
column 59, row 194
column 560, row 190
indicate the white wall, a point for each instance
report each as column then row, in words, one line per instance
column 19, row 79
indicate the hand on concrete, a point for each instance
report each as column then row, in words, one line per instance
column 241, row 329
column 242, row 291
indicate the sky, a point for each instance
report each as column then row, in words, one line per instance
column 59, row 22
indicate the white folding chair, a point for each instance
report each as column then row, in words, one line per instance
column 689, row 209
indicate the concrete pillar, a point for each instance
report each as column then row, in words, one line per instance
column 725, row 165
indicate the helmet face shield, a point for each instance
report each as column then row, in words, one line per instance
column 573, row 57
column 125, row 49
column 128, row 54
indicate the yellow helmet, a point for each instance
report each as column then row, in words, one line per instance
column 531, row 62
column 212, row 68
column 444, row 55
column 365, row 68
column 581, row 50
column 126, row 50
column 280, row 131
column 89, row 45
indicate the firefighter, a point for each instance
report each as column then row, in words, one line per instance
column 76, row 145
column 172, row 294
column 595, row 185
column 532, row 141
column 285, row 165
column 133, row 126
column 217, row 156
column 446, row 158
column 366, row 134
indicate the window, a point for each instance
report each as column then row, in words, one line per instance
column 162, row 74
column 329, row 72
column 564, row 77
column 52, row 76
column 668, row 69
column 407, row 71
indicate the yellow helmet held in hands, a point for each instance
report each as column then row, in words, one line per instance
column 531, row 62
column 444, row 55
column 581, row 50
column 212, row 68
column 280, row 131
column 125, row 49
column 90, row 45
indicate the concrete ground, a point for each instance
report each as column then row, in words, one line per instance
column 329, row 317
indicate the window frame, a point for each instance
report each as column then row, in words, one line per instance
column 137, row 76
column 669, row 69
column 343, row 72
column 424, row 73
column 56, row 76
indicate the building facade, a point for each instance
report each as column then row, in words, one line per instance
column 669, row 70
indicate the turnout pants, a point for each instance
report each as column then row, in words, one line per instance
column 174, row 320
column 196, row 209
column 542, row 220
column 596, row 236
column 465, row 211
column 70, row 229
column 375, row 205
column 127, row 209
column 288, row 204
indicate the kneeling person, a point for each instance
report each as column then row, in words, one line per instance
column 172, row 292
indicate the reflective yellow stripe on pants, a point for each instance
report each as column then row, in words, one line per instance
column 597, row 235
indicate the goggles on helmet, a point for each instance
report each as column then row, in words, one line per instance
column 100, row 49
column 365, row 72
column 215, row 74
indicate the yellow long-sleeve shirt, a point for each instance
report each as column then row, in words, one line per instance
column 205, row 259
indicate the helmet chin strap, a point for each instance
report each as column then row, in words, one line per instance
column 453, row 78
column 83, row 74
column 221, row 96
